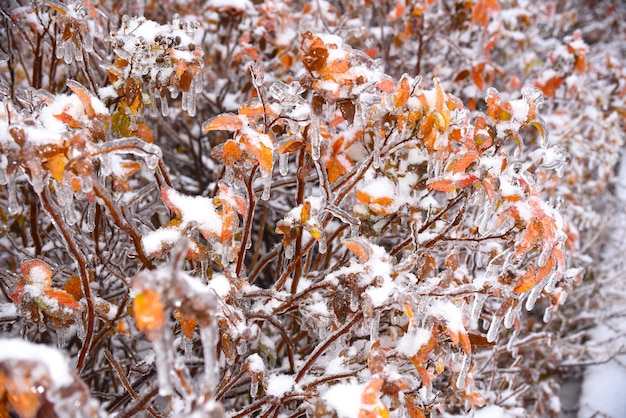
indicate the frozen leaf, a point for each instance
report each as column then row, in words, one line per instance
column 149, row 313
column 223, row 122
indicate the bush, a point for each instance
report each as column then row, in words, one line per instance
column 398, row 262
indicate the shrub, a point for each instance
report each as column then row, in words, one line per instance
column 399, row 260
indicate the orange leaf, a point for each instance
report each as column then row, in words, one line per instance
column 371, row 406
column 231, row 152
column 383, row 201
column 84, row 96
column 37, row 273
column 386, row 85
column 480, row 13
column 74, row 287
column 22, row 396
column 401, row 95
column 145, row 133
column 550, row 87
column 223, row 122
column 335, row 169
column 64, row 300
column 444, row 185
column 188, row 325
column 149, row 313
column 363, row 197
column 263, row 154
column 531, row 235
column 527, row 281
column 464, row 161
column 358, row 248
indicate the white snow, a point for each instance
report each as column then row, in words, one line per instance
column 448, row 312
column 220, row 284
column 51, row 359
column 345, row 399
column 255, row 363
column 411, row 342
column 279, row 384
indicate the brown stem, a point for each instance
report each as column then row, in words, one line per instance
column 140, row 403
column 34, row 223
column 124, row 380
column 283, row 333
column 323, row 346
column 121, row 222
column 301, row 181
column 80, row 259
column 247, row 228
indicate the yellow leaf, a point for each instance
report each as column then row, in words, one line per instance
column 305, row 214
column 56, row 166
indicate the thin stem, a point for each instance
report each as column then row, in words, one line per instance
column 249, row 221
column 121, row 222
column 80, row 259
column 323, row 346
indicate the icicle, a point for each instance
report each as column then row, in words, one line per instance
column 330, row 111
column 187, row 344
column 465, row 368
column 69, row 213
column 533, row 295
column 322, row 245
column 254, row 386
column 91, row 216
column 242, row 347
column 314, row 133
column 165, row 109
column 289, row 251
column 208, row 336
column 164, row 361
column 376, row 153
column 61, row 337
column 374, row 335
column 510, row 316
column 477, row 306
column 152, row 161
column 87, row 42
column 105, row 165
column 354, row 302
column 551, row 283
column 14, row 206
column 492, row 333
column 283, row 163
column 267, row 186
column 547, row 314
column 189, row 102
column 68, row 52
